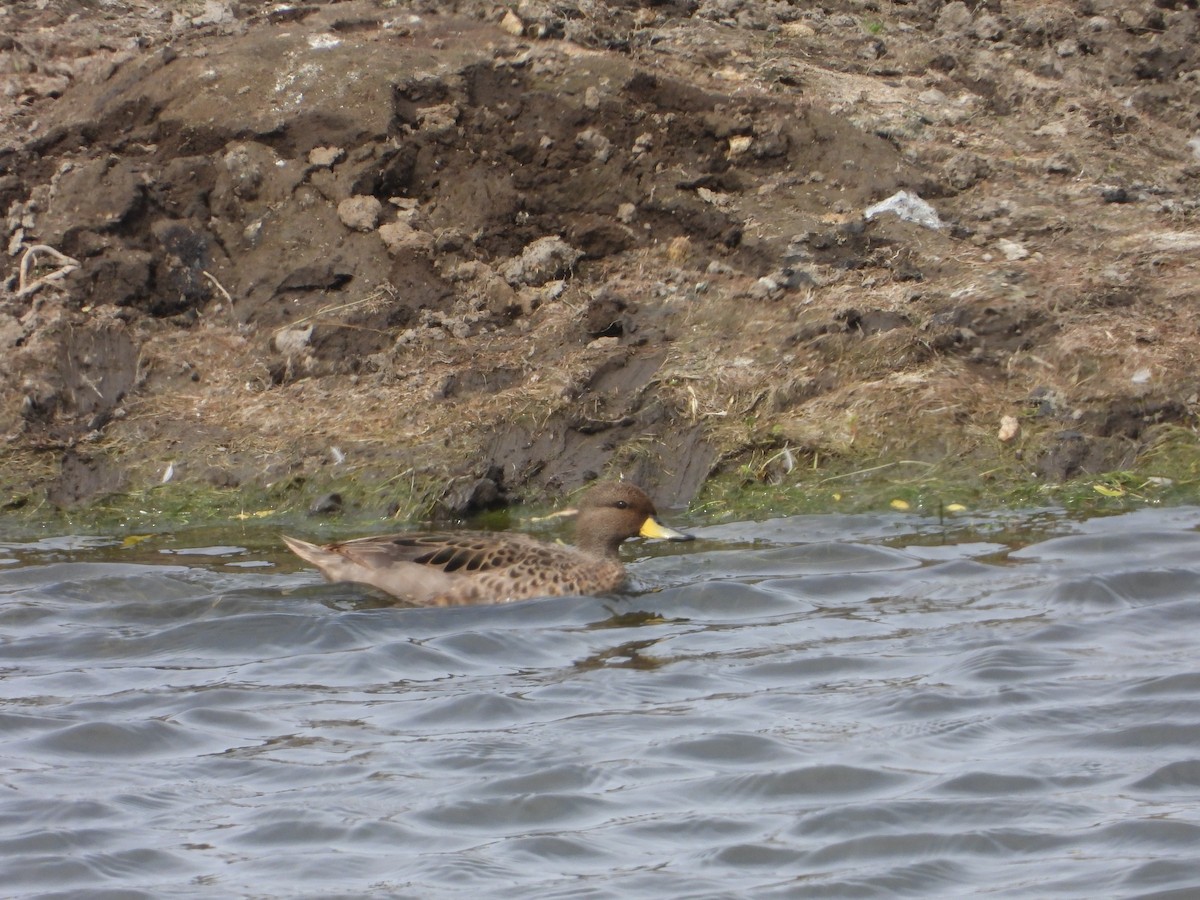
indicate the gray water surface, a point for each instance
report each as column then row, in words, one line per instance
column 815, row 706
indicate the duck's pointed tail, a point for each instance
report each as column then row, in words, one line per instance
column 408, row 581
column 310, row 553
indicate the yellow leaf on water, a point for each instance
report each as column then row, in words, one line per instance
column 955, row 507
column 1107, row 491
column 134, row 539
column 901, row 505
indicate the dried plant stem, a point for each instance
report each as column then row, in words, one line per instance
column 66, row 264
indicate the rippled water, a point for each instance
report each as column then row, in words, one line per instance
column 819, row 706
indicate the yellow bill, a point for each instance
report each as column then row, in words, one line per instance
column 652, row 528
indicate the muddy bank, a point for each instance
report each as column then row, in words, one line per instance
column 465, row 256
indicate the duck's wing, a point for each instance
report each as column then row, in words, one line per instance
column 450, row 552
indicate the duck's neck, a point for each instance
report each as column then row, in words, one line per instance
column 598, row 545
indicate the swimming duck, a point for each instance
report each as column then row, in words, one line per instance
column 472, row 567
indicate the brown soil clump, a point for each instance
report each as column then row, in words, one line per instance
column 498, row 251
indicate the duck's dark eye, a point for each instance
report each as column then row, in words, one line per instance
column 621, row 504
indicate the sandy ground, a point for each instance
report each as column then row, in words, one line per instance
column 465, row 253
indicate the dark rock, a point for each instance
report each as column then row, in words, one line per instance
column 471, row 497
column 326, row 504
column 1065, row 458
column 120, row 278
column 98, row 195
column 605, row 316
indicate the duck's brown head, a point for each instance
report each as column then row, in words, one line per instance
column 611, row 512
